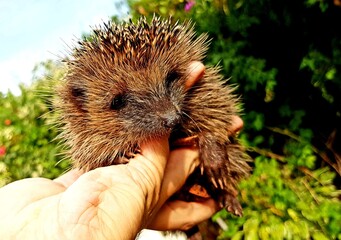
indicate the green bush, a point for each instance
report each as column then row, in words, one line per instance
column 27, row 148
column 285, row 57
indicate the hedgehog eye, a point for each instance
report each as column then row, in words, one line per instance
column 118, row 102
column 171, row 77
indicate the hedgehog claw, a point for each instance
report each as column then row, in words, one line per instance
column 232, row 205
column 225, row 181
column 221, row 185
column 238, row 213
column 214, row 182
column 202, row 169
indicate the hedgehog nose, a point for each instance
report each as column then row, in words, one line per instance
column 170, row 120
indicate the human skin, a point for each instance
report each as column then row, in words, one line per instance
column 114, row 202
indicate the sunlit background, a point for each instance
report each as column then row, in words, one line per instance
column 32, row 31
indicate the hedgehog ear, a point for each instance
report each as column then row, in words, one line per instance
column 79, row 97
column 172, row 77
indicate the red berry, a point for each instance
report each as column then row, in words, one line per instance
column 2, row 150
column 8, row 122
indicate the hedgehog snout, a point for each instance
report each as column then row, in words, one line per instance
column 170, row 119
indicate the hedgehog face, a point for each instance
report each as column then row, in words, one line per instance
column 143, row 103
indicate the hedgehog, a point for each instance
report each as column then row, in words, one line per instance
column 125, row 85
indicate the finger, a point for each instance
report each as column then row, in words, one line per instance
column 148, row 169
column 195, row 71
column 237, row 124
column 180, row 215
column 156, row 150
column 69, row 178
column 181, row 164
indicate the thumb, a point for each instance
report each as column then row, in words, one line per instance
column 151, row 164
column 156, row 151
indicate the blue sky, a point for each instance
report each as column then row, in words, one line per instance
column 32, row 31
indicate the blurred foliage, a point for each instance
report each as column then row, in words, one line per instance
column 285, row 57
column 26, row 146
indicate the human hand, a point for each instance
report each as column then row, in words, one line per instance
column 113, row 202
